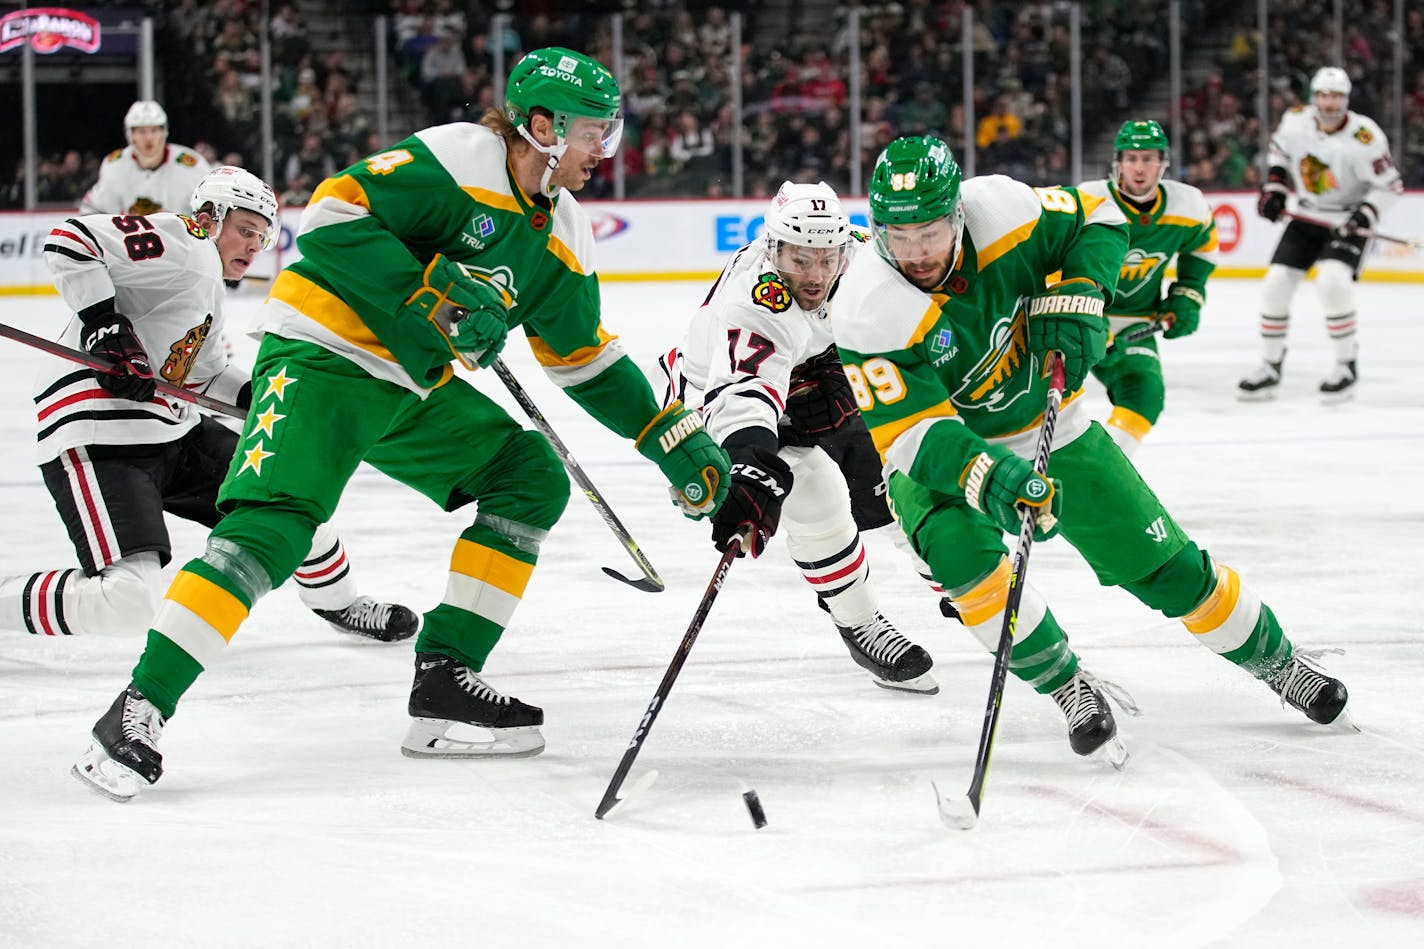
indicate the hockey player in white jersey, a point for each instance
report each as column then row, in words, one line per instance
column 1332, row 166
column 759, row 360
column 150, row 173
column 114, row 457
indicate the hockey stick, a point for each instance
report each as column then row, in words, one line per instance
column 650, row 581
column 1136, row 333
column 1415, row 243
column 963, row 813
column 645, row 724
column 105, row 365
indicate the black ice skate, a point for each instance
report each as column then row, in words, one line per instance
column 1339, row 384
column 125, row 748
column 892, row 660
column 1261, row 383
column 455, row 714
column 386, row 622
column 1305, row 688
column 1091, row 727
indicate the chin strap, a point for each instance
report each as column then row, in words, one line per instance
column 554, row 153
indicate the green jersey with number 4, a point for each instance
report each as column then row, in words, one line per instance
column 958, row 354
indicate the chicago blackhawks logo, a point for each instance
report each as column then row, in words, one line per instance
column 771, row 293
column 1317, row 176
column 182, row 354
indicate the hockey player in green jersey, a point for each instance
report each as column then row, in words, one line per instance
column 1165, row 219
column 412, row 258
column 944, row 335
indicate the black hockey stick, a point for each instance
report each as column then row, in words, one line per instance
column 650, row 581
column 1135, row 333
column 106, row 365
column 645, row 724
column 963, row 813
column 1415, row 243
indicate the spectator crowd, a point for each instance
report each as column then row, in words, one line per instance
column 678, row 78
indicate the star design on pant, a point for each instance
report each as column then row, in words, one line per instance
column 277, row 385
column 266, row 420
column 253, row 458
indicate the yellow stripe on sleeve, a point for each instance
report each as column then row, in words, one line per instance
column 545, row 355
column 884, row 435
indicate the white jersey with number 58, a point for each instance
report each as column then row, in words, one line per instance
column 164, row 273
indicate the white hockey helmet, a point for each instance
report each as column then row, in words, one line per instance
column 227, row 187
column 807, row 215
column 1330, row 79
column 142, row 114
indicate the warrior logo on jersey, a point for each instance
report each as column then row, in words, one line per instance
column 182, row 353
column 1137, row 270
column 771, row 293
column 1317, row 176
column 984, row 385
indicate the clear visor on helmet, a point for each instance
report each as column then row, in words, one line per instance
column 267, row 235
column 591, row 135
column 935, row 241
column 806, row 264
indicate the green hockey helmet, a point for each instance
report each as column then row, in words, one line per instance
column 570, row 86
column 916, row 181
column 1140, row 135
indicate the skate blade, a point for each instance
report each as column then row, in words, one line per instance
column 639, row 786
column 1260, row 395
column 103, row 774
column 1344, row 723
column 923, row 684
column 1337, row 398
column 430, row 738
column 1113, row 751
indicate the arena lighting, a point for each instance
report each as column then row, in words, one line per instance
column 49, row 29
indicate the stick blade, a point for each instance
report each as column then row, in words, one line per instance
column 607, row 807
column 956, row 813
column 646, row 584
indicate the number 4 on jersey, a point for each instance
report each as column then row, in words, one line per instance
column 387, row 162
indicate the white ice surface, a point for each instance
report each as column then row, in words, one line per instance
column 287, row 816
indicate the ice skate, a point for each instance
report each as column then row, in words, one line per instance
column 455, row 714
column 1261, row 383
column 1339, row 383
column 1091, row 727
column 386, row 622
column 1302, row 686
column 892, row 660
column 125, row 748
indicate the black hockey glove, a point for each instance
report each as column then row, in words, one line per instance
column 1272, row 202
column 820, row 400
column 760, row 481
column 1364, row 219
column 111, row 336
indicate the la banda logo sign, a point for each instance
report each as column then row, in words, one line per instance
column 48, row 29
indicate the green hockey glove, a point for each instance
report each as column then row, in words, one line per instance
column 466, row 308
column 1068, row 317
column 1181, row 313
column 696, row 466
column 997, row 481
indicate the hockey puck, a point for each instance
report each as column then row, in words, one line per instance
column 754, row 809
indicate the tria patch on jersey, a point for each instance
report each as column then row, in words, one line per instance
column 194, row 228
column 187, row 160
column 1364, row 136
column 770, row 292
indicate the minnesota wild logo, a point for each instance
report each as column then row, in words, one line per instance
column 995, row 382
column 1137, row 270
